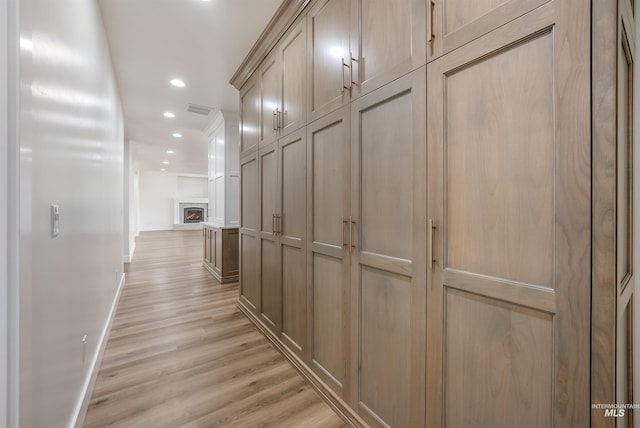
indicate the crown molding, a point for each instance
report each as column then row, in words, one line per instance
column 288, row 12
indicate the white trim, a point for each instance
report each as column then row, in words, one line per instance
column 129, row 258
column 83, row 404
column 4, row 203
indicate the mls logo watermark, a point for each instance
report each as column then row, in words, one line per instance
column 615, row 410
column 614, row 413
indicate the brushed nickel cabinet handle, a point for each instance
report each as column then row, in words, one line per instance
column 351, row 61
column 352, row 223
column 430, row 34
column 431, row 258
column 279, row 224
column 273, row 224
column 344, row 241
column 275, row 127
column 344, row 65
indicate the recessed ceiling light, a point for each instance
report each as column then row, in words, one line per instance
column 170, row 152
column 163, row 169
column 166, row 162
column 177, row 83
column 177, row 135
column 169, row 114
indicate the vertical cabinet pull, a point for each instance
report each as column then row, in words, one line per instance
column 430, row 34
column 344, row 241
column 431, row 231
column 275, row 127
column 351, row 61
column 273, row 224
column 279, row 223
column 350, row 68
column 352, row 223
column 344, row 65
column 280, row 119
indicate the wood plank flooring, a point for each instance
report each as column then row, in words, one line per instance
column 181, row 354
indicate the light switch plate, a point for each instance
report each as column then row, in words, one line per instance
column 55, row 221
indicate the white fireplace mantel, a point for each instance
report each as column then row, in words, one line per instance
column 178, row 204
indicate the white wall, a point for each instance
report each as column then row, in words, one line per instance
column 157, row 190
column 70, row 133
column 4, row 319
column 191, row 187
column 134, row 212
column 157, row 193
column 129, row 232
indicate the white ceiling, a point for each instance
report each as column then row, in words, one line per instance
column 201, row 42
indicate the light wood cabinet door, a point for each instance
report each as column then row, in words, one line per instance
column 249, row 237
column 625, row 281
column 250, row 116
column 270, row 101
column 292, row 237
column 328, row 24
column 293, row 72
column 328, row 207
column 388, row 244
column 268, row 259
column 453, row 23
column 509, row 198
column 206, row 245
column 388, row 41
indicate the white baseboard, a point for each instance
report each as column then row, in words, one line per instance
column 129, row 258
column 83, row 404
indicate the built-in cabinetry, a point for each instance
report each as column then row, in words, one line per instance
column 421, row 212
column 220, row 234
column 220, row 250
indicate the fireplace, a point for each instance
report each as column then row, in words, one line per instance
column 193, row 215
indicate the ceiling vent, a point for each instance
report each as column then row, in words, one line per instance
column 198, row 109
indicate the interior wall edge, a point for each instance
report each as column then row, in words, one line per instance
column 83, row 403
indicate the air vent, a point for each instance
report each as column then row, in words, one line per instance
column 198, row 109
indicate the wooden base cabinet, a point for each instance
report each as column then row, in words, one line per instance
column 221, row 252
column 448, row 240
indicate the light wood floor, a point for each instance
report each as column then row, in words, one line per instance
column 181, row 354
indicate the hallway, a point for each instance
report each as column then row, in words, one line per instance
column 181, row 354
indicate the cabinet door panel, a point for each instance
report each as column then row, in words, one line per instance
column 217, row 245
column 389, row 261
column 294, row 79
column 250, row 113
column 329, row 284
column 624, row 364
column 249, row 285
column 457, row 22
column 390, row 43
column 270, row 285
column 249, row 194
column 509, row 196
column 328, row 24
column 328, row 180
column 292, row 229
column 269, row 98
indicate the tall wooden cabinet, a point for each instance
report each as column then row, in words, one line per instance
column 282, row 239
column 509, row 199
column 437, row 216
column 388, row 208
